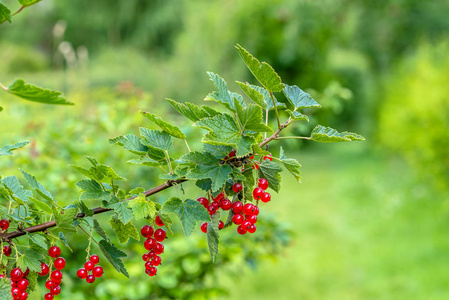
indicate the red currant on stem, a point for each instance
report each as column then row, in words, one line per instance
column 90, row 278
column 241, row 230
column 263, row 183
column 220, row 225
column 248, row 209
column 56, row 276
column 97, row 271
column 49, row 284
column 160, row 234
column 94, row 259
column 159, row 248
column 54, row 251
column 16, row 274
column 55, row 290
column 237, row 219
column 257, row 193
column 225, row 204
column 266, row 197
column 59, row 263
column 4, row 224
column 48, row 296
column 204, row 202
column 149, row 243
column 7, row 250
column 232, row 153
column 204, row 227
column 82, row 274
column 23, row 284
column 237, row 207
column 88, row 265
column 159, row 221
column 156, row 260
column 237, row 187
column 147, row 231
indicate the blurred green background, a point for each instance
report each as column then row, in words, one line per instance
column 369, row 221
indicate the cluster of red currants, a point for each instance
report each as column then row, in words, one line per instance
column 19, row 283
column 220, row 201
column 90, row 266
column 153, row 244
column 53, row 284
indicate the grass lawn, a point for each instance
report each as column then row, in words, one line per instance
column 365, row 228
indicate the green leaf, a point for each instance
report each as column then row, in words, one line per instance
column 146, row 161
column 207, row 167
column 250, row 118
column 123, row 212
column 64, row 219
column 131, row 143
column 124, row 232
column 223, row 95
column 218, row 151
column 5, row 288
column 34, row 93
column 170, row 129
column 5, row 15
column 20, row 195
column 141, row 207
column 113, row 255
column 64, row 241
column 39, row 188
column 42, row 206
column 295, row 115
column 32, row 279
column 291, row 164
column 189, row 212
column 264, row 73
column 38, row 240
column 260, row 96
column 298, row 98
column 109, row 172
column 189, row 110
column 270, row 171
column 330, row 135
column 212, row 235
column 28, row 2
column 223, row 130
column 100, row 231
column 92, row 190
column 6, row 150
column 85, row 210
column 157, row 139
column 167, row 221
column 30, row 259
column 92, row 173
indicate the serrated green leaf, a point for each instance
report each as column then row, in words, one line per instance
column 218, row 151
column 6, row 150
column 146, row 161
column 330, row 135
column 34, row 93
column 131, row 143
column 223, row 130
column 64, row 219
column 212, row 235
column 170, row 129
column 263, row 72
column 298, row 98
column 204, row 184
column 189, row 212
column 189, row 110
column 113, row 255
column 212, row 112
column 19, row 194
column 38, row 240
column 141, row 207
column 270, row 170
column 123, row 212
column 157, row 139
column 32, row 280
column 30, row 259
column 291, row 164
column 261, row 96
column 207, row 167
column 5, row 288
column 28, row 2
column 5, row 15
column 92, row 172
column 124, row 232
column 85, row 210
column 64, row 241
column 42, row 206
column 32, row 181
column 100, row 231
column 250, row 118
column 92, row 190
column 109, row 172
column 92, row 160
column 295, row 115
column 223, row 95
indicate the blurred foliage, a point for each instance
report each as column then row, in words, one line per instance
column 414, row 118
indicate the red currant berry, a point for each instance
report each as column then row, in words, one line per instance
column 7, row 250
column 213, row 208
column 263, row 183
column 218, row 198
column 237, row 219
column 269, row 157
column 232, row 153
column 57, row 282
column 220, row 225
column 145, row 257
column 237, row 207
column 225, row 204
column 97, row 271
column 151, row 271
column 256, row 211
column 248, row 209
column 23, row 296
column 159, row 221
column 156, row 260
column 49, row 284
column 48, row 296
column 256, row 166
column 204, row 202
column 204, row 227
column 54, row 251
column 4, row 224
column 252, row 219
column 90, row 278
column 226, row 157
column 246, row 225
column 160, row 234
column 159, row 248
column 88, row 265
column 56, row 290
column 59, row 263
column 241, row 230
column 257, row 193
column 82, row 274
column 23, row 284
column 13, row 283
column 147, row 231
column 95, row 259
column 16, row 292
column 149, row 243
column 56, row 276
column 266, row 197
column 16, row 274
column 237, row 187
column 148, row 265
